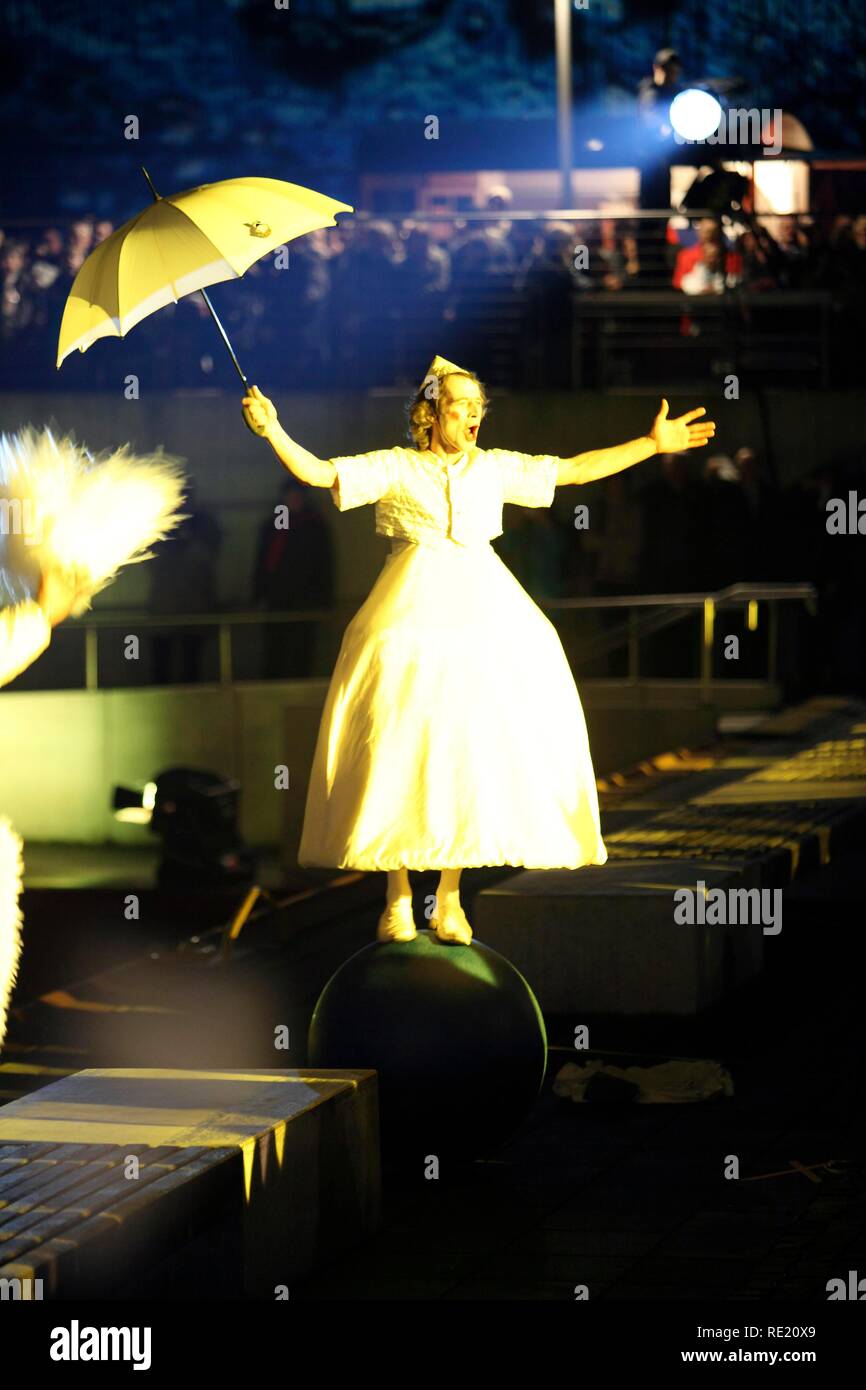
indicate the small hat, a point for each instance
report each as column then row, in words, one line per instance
column 440, row 367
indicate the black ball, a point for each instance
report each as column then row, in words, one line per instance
column 455, row 1034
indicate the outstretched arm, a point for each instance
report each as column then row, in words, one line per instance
column 261, row 416
column 666, row 437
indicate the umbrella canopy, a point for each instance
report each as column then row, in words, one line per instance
column 180, row 244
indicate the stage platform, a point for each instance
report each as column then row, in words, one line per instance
column 751, row 813
column 183, row 1184
column 628, row 1197
column 97, row 990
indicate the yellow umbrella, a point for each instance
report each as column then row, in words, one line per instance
column 178, row 245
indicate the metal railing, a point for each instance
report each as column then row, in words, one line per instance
column 159, row 623
column 645, row 337
column 670, row 609
column 661, row 611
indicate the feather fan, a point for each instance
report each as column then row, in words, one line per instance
column 61, row 507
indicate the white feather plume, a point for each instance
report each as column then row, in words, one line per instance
column 11, row 872
column 86, row 516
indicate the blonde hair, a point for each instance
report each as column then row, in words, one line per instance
column 422, row 407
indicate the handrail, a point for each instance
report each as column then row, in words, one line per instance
column 469, row 215
column 672, row 608
column 90, row 624
column 669, row 609
column 667, row 294
column 734, row 593
column 112, row 617
column 542, row 214
column 108, row 617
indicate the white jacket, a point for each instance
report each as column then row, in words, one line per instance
column 421, row 498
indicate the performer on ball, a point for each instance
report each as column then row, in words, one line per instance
column 452, row 734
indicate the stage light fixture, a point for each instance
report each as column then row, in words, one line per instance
column 194, row 813
column 134, row 807
column 695, row 114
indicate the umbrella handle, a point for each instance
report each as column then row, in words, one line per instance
column 250, row 428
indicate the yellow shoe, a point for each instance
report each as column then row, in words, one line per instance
column 452, row 926
column 397, row 922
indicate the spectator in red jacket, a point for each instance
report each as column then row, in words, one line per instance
column 708, row 267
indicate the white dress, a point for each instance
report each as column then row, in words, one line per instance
column 452, row 734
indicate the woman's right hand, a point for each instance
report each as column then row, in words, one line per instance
column 260, row 414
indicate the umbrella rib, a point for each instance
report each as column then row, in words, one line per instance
column 206, row 297
column 222, row 255
column 165, row 273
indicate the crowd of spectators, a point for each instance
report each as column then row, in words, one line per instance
column 359, row 302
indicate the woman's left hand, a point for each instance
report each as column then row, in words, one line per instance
column 672, row 436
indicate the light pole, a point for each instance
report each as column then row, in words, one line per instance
column 563, row 96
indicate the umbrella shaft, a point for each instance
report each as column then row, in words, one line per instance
column 206, row 299
column 223, row 335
